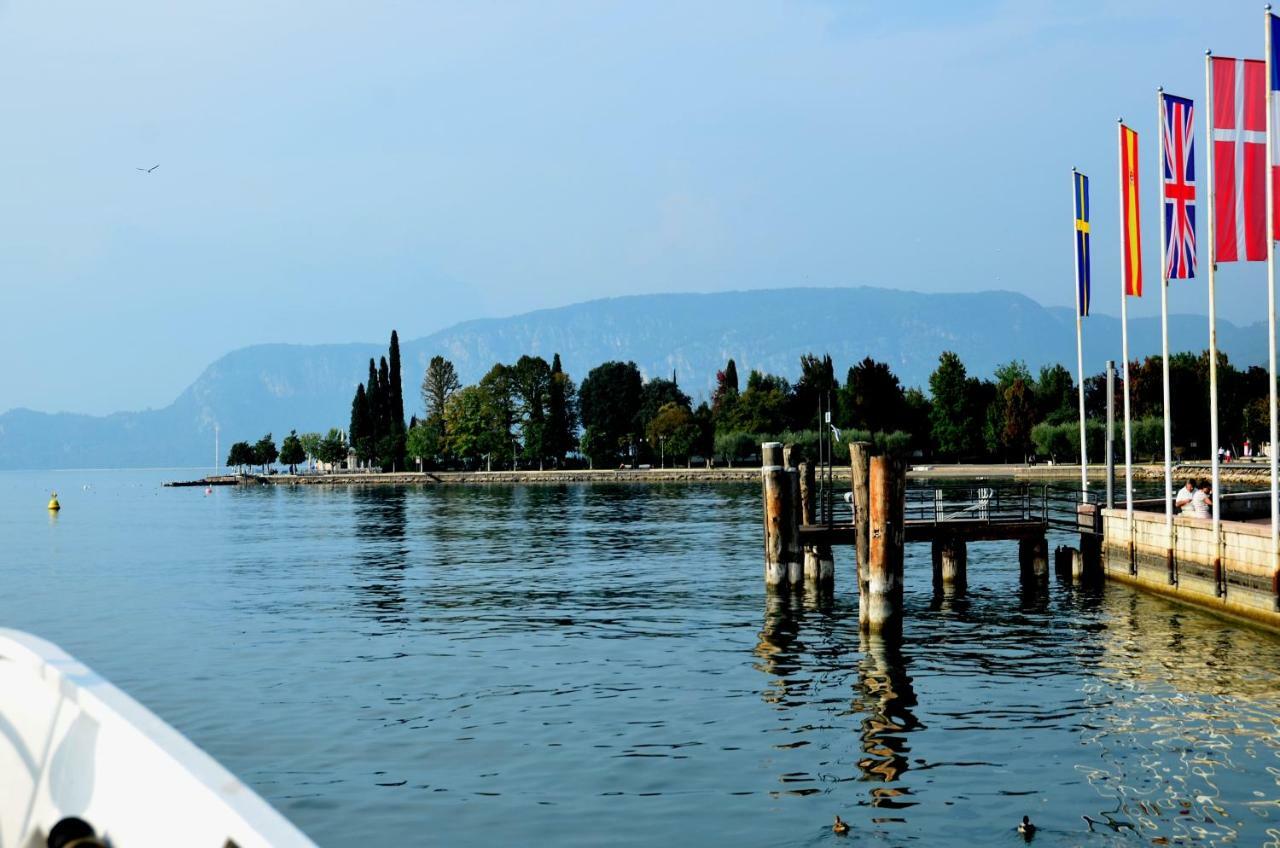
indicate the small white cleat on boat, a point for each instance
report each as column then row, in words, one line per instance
column 74, row 746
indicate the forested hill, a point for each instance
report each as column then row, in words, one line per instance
column 273, row 388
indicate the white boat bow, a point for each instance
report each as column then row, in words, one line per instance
column 71, row 744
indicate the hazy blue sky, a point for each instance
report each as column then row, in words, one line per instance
column 330, row 170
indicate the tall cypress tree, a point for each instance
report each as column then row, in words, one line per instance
column 359, row 436
column 395, row 405
column 397, row 388
column 384, row 397
column 374, row 397
column 731, row 376
column 557, row 414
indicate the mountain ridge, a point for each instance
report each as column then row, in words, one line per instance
column 276, row 386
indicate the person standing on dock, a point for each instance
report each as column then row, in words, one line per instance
column 1202, row 501
column 1185, row 496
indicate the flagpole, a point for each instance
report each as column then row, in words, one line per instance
column 1124, row 338
column 1164, row 329
column 1213, row 316
column 1075, row 262
column 1271, row 320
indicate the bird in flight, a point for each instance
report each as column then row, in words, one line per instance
column 147, row 170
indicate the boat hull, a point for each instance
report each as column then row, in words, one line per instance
column 71, row 744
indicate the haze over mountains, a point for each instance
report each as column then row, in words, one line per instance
column 275, row 388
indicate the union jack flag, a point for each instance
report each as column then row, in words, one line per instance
column 1178, row 188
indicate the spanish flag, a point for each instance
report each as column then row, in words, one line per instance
column 1131, row 245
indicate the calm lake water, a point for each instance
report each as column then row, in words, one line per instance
column 572, row 665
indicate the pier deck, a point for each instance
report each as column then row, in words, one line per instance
column 924, row 530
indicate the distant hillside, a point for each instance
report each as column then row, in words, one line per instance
column 308, row 387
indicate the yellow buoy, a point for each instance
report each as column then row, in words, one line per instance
column 53, row 502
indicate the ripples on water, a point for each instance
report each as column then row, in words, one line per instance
column 571, row 665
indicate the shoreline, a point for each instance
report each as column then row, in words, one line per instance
column 1253, row 473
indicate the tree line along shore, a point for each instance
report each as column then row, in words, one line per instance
column 532, row 415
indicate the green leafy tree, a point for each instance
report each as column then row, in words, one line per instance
column 311, row 445
column 725, row 398
column 704, row 420
column 817, row 383
column 1056, row 399
column 501, row 408
column 917, row 421
column 1019, row 417
column 763, row 406
column 472, row 427
column 240, row 456
column 654, row 395
column 736, row 446
column 562, row 414
column 425, row 442
column 377, row 412
column 872, row 398
column 1053, row 440
column 530, row 384
column 396, row 430
column 951, row 416
column 361, row 431
column 333, row 448
column 438, row 385
column 390, row 437
column 609, row 401
column 265, row 452
column 1009, row 417
column 292, row 453
column 674, row 431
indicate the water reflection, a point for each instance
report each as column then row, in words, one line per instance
column 1183, row 709
column 885, row 698
column 799, row 648
column 571, row 656
column 382, row 554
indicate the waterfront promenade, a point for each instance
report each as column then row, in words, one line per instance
column 741, row 474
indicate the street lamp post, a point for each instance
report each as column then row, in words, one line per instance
column 662, row 452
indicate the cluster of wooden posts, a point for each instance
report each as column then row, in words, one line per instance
column 798, row 555
column 879, row 498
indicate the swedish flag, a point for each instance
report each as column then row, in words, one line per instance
column 1081, row 189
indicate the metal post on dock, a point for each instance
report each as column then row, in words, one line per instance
column 887, row 502
column 859, row 478
column 776, row 522
column 1110, row 437
column 819, row 564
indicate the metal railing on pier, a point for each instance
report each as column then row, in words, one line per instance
column 1058, row 507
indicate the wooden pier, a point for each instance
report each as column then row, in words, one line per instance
column 882, row 517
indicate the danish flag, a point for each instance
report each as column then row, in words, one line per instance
column 1274, row 94
column 1239, row 159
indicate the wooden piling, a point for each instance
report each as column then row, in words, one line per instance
column 1090, row 557
column 1062, row 561
column 886, row 502
column 776, row 522
column 859, row 474
column 1033, row 558
column 950, row 564
column 1077, row 565
column 793, row 551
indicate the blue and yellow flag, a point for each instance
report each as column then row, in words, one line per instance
column 1081, row 185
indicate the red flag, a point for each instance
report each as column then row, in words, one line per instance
column 1239, row 159
column 1131, row 229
